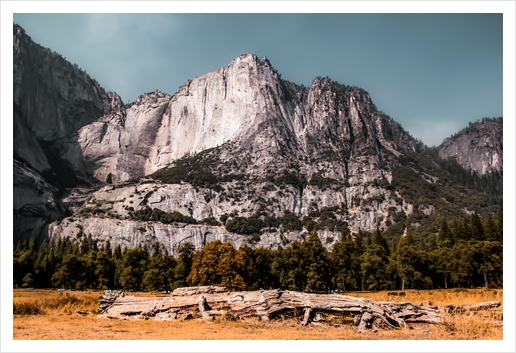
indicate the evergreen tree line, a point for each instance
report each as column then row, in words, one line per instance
column 490, row 184
column 473, row 127
column 464, row 253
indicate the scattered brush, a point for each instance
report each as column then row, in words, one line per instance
column 62, row 303
column 394, row 294
column 472, row 326
column 27, row 308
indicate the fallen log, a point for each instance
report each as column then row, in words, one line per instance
column 207, row 302
column 451, row 308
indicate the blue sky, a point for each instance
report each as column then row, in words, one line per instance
column 433, row 73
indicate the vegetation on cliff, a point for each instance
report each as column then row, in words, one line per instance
column 464, row 253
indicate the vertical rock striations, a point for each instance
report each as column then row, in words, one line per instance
column 247, row 104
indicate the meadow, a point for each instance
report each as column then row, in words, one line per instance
column 54, row 315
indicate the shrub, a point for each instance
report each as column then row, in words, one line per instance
column 271, row 222
column 243, row 225
column 27, row 308
column 291, row 222
column 223, row 218
column 310, row 224
column 195, row 170
column 210, row 221
column 157, row 215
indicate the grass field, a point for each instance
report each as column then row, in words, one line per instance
column 52, row 315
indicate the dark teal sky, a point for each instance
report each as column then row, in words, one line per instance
column 433, row 73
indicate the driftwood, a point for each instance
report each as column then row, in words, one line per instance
column 207, row 302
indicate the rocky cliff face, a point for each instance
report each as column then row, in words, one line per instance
column 109, row 213
column 247, row 104
column 131, row 234
column 479, row 147
column 53, row 99
column 234, row 145
column 265, row 147
column 35, row 203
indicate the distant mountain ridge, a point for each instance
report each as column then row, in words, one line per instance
column 477, row 147
column 237, row 155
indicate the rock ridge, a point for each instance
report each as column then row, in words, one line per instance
column 478, row 147
column 239, row 142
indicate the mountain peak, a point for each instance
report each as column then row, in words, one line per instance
column 250, row 58
column 244, row 57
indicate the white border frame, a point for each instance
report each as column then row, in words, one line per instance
column 10, row 7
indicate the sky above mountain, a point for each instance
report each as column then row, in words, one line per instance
column 433, row 73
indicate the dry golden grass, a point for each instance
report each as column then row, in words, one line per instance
column 437, row 297
column 52, row 302
column 57, row 319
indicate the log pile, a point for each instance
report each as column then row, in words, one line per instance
column 208, row 302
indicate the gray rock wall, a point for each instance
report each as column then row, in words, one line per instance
column 479, row 148
column 132, row 234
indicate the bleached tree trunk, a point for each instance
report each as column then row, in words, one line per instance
column 207, row 302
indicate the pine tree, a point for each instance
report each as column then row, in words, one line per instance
column 107, row 249
column 105, row 269
column 160, row 271
column 486, row 260
column 380, row 240
column 409, row 264
column 291, row 267
column 132, row 268
column 466, row 230
column 68, row 272
column 87, row 278
column 359, row 239
column 490, row 228
column 374, row 267
column 446, row 236
column 476, row 227
column 184, row 265
column 457, row 230
column 443, row 265
column 258, row 268
column 44, row 266
column 461, row 259
column 317, row 275
column 117, row 254
column 499, row 225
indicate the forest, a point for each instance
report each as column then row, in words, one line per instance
column 464, row 253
